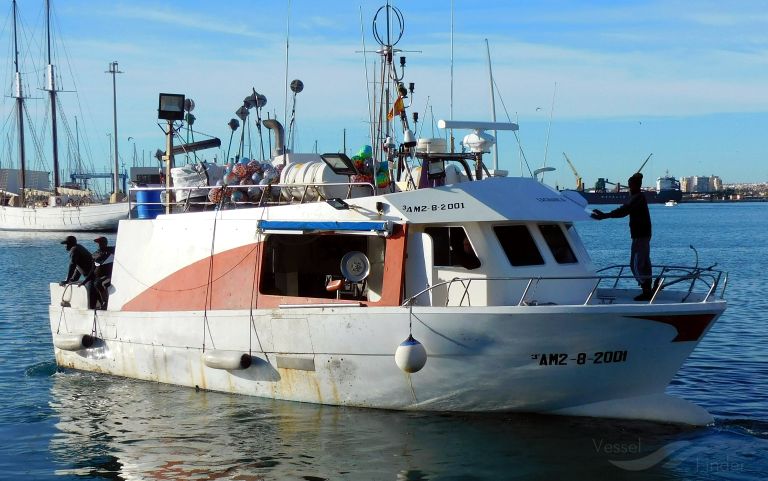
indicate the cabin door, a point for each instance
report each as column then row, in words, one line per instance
column 418, row 268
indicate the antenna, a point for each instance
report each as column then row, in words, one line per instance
column 493, row 107
column 549, row 126
column 287, row 36
column 451, row 113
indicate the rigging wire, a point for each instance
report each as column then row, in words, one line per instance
column 35, row 140
column 517, row 137
column 60, row 51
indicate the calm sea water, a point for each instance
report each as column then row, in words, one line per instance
column 72, row 425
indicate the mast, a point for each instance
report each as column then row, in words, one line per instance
column 19, row 107
column 78, row 162
column 390, row 85
column 51, row 88
column 451, row 105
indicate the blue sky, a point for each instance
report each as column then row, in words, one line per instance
column 684, row 80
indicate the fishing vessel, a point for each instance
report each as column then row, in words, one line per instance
column 410, row 280
column 40, row 209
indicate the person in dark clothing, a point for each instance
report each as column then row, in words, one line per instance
column 640, row 230
column 103, row 258
column 80, row 264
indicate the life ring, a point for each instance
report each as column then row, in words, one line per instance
column 58, row 201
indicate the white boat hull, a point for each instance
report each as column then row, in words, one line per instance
column 202, row 300
column 612, row 362
column 93, row 217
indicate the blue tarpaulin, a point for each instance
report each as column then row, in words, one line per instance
column 309, row 225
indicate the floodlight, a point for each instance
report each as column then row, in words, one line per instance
column 171, row 107
column 339, row 163
column 436, row 169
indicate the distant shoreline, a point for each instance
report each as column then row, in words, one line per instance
column 721, row 201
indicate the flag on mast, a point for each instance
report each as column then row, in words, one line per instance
column 396, row 109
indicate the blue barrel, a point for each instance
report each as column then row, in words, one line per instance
column 148, row 204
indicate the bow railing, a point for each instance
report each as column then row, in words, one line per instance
column 699, row 285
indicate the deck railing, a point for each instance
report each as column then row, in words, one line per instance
column 269, row 195
column 702, row 281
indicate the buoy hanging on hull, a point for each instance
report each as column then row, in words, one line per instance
column 410, row 355
column 73, row 342
column 229, row 360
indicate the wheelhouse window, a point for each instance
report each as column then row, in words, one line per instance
column 518, row 245
column 305, row 265
column 451, row 247
column 558, row 243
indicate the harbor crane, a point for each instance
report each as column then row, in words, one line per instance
column 579, row 183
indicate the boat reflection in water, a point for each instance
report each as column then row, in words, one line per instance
column 133, row 430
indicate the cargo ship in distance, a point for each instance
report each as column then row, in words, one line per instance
column 667, row 189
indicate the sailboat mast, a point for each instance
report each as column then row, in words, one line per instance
column 51, row 88
column 78, row 160
column 19, row 107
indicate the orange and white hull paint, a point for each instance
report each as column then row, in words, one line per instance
column 186, row 284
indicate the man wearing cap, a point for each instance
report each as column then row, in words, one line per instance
column 640, row 229
column 80, row 264
column 103, row 258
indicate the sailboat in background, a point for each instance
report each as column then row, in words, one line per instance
column 29, row 206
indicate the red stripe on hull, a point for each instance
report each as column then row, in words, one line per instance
column 233, row 283
column 231, row 276
column 689, row 327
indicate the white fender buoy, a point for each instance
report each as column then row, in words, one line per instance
column 410, row 355
column 229, row 360
column 73, row 342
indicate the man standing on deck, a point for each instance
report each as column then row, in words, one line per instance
column 640, row 229
column 80, row 263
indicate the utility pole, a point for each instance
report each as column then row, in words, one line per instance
column 114, row 71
